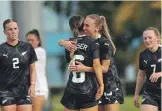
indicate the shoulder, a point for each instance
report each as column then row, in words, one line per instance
column 22, row 43
column 105, row 42
column 144, row 53
column 2, row 45
column 89, row 39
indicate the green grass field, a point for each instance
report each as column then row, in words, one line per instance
column 127, row 106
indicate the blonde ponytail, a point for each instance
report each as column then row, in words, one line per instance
column 105, row 31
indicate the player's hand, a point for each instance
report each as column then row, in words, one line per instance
column 31, row 90
column 77, row 68
column 70, row 45
column 154, row 77
column 136, row 102
column 99, row 92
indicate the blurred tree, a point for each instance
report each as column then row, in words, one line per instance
column 126, row 21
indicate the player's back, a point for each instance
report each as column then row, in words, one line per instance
column 83, row 82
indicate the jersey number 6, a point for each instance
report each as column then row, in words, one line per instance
column 81, row 77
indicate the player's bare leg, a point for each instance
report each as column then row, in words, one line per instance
column 95, row 108
column 24, row 107
column 9, row 108
column 111, row 107
column 100, row 107
column 38, row 106
column 147, row 107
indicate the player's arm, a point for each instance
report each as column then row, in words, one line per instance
column 82, row 68
column 97, row 69
column 106, row 55
column 139, row 83
column 140, row 80
column 32, row 60
column 32, row 74
column 68, row 44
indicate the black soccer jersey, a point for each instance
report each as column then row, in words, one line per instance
column 106, row 52
column 112, row 87
column 83, row 82
column 15, row 68
column 151, row 63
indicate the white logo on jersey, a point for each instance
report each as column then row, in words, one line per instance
column 5, row 55
column 24, row 53
column 99, row 101
column 108, row 94
column 145, row 61
column 159, row 60
column 4, row 101
column 97, row 43
column 116, row 101
column 116, row 89
column 143, row 100
column 106, row 44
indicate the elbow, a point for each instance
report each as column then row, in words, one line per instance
column 104, row 70
column 59, row 42
column 97, row 65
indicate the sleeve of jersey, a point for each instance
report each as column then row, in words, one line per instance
column 107, row 51
column 140, row 62
column 33, row 56
column 95, row 50
column 67, row 53
column 67, row 56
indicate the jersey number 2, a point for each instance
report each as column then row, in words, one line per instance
column 15, row 63
column 81, row 78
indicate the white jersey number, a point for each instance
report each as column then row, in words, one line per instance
column 154, row 67
column 15, row 63
column 81, row 77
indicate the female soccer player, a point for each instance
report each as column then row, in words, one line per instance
column 94, row 26
column 150, row 66
column 33, row 37
column 81, row 89
column 17, row 71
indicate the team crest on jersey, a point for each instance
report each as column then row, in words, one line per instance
column 23, row 53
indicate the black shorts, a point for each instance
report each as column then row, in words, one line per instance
column 78, row 101
column 112, row 97
column 5, row 101
column 152, row 100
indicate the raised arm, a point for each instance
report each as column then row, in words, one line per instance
column 69, row 45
